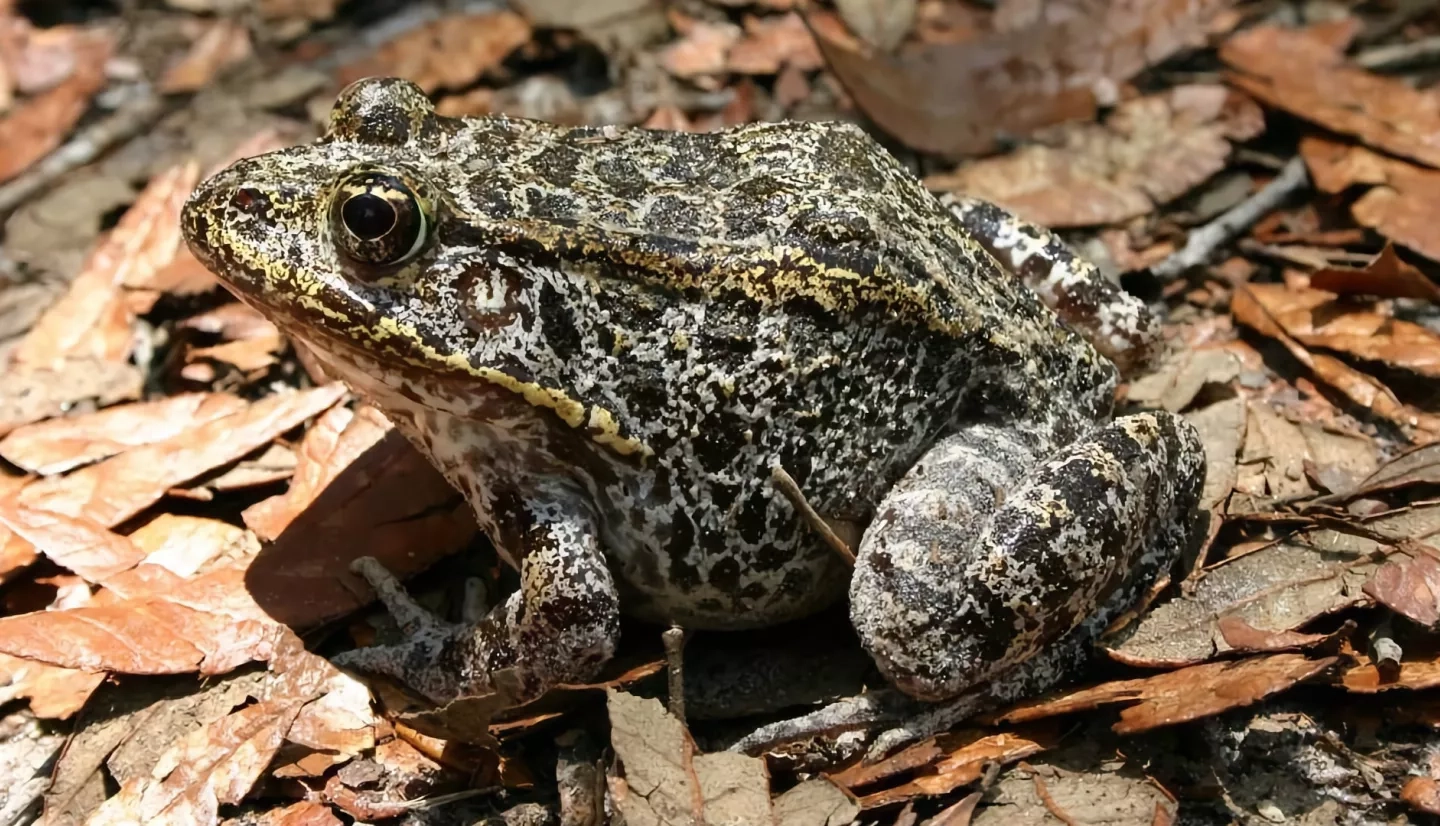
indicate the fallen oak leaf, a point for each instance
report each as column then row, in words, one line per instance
column 32, row 130
column 1183, row 695
column 1304, row 73
column 963, row 98
column 81, row 545
column 1363, row 390
column 1410, row 586
column 150, row 621
column 58, row 445
column 111, row 491
column 1387, row 276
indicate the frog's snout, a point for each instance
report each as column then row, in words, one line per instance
column 229, row 220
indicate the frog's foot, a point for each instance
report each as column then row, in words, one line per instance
column 561, row 625
column 954, row 589
column 426, row 638
column 1113, row 321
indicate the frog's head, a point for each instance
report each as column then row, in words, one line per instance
column 334, row 239
column 365, row 247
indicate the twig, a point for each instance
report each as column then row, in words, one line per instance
column 787, row 486
column 1394, row 56
column 1050, row 805
column 133, row 116
column 850, row 714
column 673, row 639
column 1203, row 242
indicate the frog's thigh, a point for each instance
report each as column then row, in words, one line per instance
column 953, row 587
column 561, row 625
column 1113, row 321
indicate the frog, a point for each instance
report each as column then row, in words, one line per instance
column 613, row 340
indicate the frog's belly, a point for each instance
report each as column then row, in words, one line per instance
column 705, row 563
column 700, row 551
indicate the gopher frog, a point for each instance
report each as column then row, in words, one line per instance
column 610, row 338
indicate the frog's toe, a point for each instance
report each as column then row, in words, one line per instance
column 418, row 662
column 409, row 614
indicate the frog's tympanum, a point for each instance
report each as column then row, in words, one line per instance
column 608, row 338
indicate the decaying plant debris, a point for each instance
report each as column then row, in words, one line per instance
column 182, row 491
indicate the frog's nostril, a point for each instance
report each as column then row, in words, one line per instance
column 249, row 200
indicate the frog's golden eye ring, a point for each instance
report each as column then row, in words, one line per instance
column 379, row 220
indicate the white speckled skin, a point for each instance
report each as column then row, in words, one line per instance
column 608, row 337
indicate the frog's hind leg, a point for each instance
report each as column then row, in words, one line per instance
column 955, row 588
column 561, row 625
column 1113, row 321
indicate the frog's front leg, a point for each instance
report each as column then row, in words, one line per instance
column 561, row 625
column 1116, row 323
column 983, row 557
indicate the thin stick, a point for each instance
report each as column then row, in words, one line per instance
column 787, row 486
column 674, row 640
column 130, row 119
column 1203, row 242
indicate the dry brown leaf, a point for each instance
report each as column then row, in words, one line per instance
column 962, row 98
column 1222, row 432
column 814, row 802
column 184, row 545
column 1409, row 587
column 1417, row 466
column 58, row 445
column 701, row 49
column 961, row 760
column 1418, row 671
column 772, row 43
column 252, row 355
column 39, row 59
column 31, row 395
column 341, row 720
column 1403, row 201
column 82, row 546
column 1335, row 167
column 118, row 488
column 232, row 322
column 1302, row 72
column 1386, row 275
column 1422, row 794
column 666, row 779
column 223, row 43
column 1361, row 389
column 880, row 23
column 1180, row 696
column 31, row 130
column 449, row 53
column 336, row 440
column 1178, row 379
column 1271, row 464
column 1149, row 152
column 391, row 504
column 54, row 693
column 1316, row 319
column 151, row 623
column 305, row 812
column 1277, row 588
column 91, row 320
column 307, row 10
column 1241, row 636
column 214, row 765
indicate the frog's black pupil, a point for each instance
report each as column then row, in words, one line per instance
column 368, row 216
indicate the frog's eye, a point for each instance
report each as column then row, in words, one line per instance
column 379, row 220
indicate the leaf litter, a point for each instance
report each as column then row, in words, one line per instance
column 187, row 492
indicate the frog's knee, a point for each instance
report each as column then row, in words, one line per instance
column 942, row 604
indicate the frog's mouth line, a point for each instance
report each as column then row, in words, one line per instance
column 427, row 377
